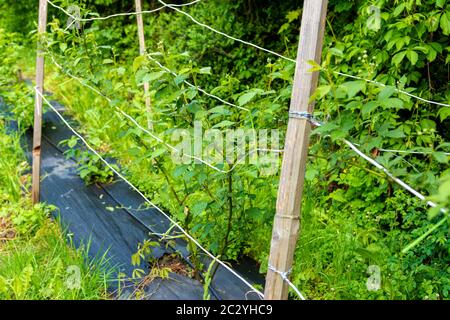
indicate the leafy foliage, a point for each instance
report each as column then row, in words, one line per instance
column 90, row 167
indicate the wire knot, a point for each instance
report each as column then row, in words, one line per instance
column 283, row 274
column 305, row 115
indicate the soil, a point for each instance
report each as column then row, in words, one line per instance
column 7, row 231
column 175, row 264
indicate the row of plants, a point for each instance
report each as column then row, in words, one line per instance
column 353, row 216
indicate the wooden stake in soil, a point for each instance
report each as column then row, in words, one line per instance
column 287, row 219
column 37, row 133
column 142, row 50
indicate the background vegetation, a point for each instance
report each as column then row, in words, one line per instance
column 353, row 216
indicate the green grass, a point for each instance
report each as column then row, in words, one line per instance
column 46, row 267
column 36, row 259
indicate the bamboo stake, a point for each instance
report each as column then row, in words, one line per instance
column 142, row 50
column 37, row 129
column 287, row 219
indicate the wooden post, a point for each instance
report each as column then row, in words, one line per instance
column 142, row 50
column 37, row 133
column 287, row 219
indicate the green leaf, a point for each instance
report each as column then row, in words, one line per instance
column 153, row 76
column 225, row 123
column 193, row 107
column 336, row 52
column 386, row 92
column 191, row 93
column 139, row 75
column 338, row 134
column 431, row 55
column 179, row 171
column 292, row 15
column 444, row 190
column 73, row 141
column 392, row 103
column 95, row 141
column 433, row 212
column 397, row 133
column 412, row 56
column 326, row 128
column 440, row 3
column 444, row 113
column 180, row 79
column 255, row 214
column 206, row 70
column 222, row 110
column 247, row 97
column 134, row 151
column 135, row 259
column 63, row 46
column 398, row 58
column 427, row 124
column 157, row 152
column 323, row 91
column 441, row 157
column 353, row 87
column 315, row 66
column 311, row 174
column 369, row 107
column 284, row 27
column 445, row 23
column 338, row 195
column 84, row 173
column 199, row 207
column 399, row 9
